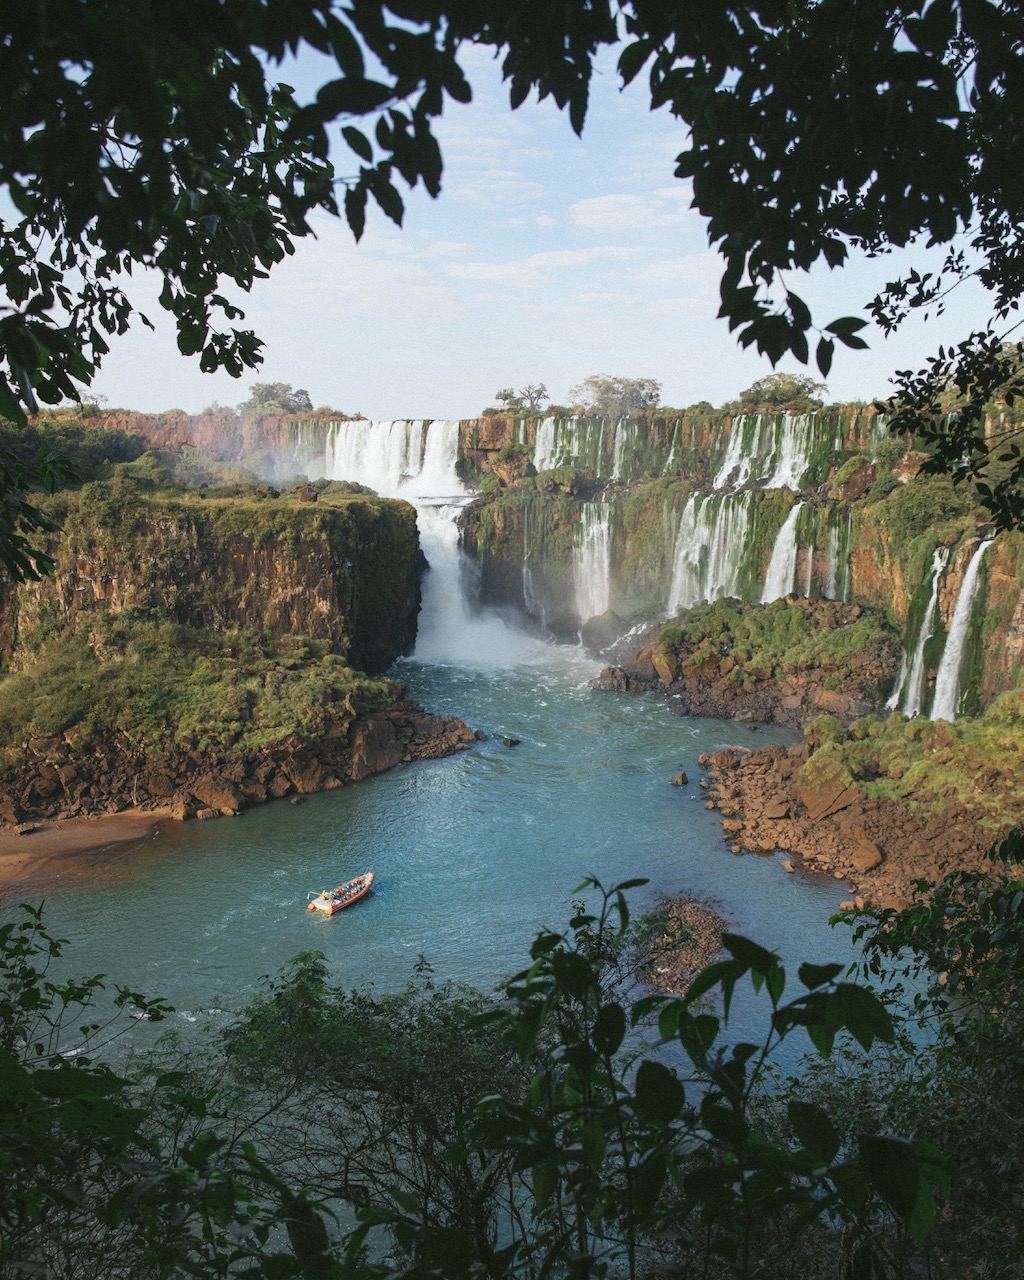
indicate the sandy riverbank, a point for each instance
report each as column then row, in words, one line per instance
column 62, row 840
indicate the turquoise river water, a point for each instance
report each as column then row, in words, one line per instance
column 472, row 854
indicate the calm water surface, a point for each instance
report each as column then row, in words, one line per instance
column 472, row 854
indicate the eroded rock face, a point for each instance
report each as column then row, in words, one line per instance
column 879, row 847
column 211, row 784
column 346, row 572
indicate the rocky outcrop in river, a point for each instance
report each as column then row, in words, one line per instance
column 828, row 827
column 783, row 663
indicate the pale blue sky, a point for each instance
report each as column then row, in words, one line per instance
column 546, row 258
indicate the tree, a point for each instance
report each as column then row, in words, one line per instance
column 781, row 393
column 92, row 1185
column 533, row 395
column 508, row 398
column 129, row 138
column 275, row 397
column 529, row 399
column 616, row 397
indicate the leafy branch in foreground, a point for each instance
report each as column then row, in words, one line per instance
column 88, row 1189
column 627, row 1164
column 566, row 1129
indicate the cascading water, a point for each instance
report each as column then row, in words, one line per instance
column 625, row 437
column 893, row 701
column 947, row 681
column 778, row 580
column 913, row 694
column 743, row 442
column 708, row 553
column 832, row 563
column 570, row 442
column 773, row 451
column 795, row 439
column 415, row 460
column 412, row 459
column 591, row 567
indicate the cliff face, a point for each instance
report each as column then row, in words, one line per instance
column 263, row 441
column 345, row 571
column 583, row 517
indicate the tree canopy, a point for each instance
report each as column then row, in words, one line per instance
column 808, row 129
column 616, row 397
column 781, row 392
column 275, row 397
column 529, row 399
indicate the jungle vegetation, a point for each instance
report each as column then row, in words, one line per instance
column 576, row 1124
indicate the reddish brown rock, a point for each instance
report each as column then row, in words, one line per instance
column 824, row 800
column 213, row 791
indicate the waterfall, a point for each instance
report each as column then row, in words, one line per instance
column 708, row 552
column 625, row 438
column 893, row 701
column 735, row 469
column 771, row 450
column 914, row 689
column 415, row 460
column 792, row 454
column 947, row 681
column 778, row 581
column 591, row 565
column 833, row 562
column 571, row 442
column 411, row 458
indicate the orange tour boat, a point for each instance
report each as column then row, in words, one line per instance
column 332, row 900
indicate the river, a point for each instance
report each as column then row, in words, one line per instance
column 472, row 854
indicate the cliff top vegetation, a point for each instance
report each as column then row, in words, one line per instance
column 160, row 687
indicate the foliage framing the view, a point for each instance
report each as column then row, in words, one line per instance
column 577, row 1152
column 131, row 139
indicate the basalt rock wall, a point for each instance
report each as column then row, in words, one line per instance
column 345, row 571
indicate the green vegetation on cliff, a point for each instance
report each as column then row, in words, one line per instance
column 929, row 765
column 343, row 568
column 776, row 640
column 160, row 687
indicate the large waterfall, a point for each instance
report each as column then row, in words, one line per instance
column 413, row 459
column 416, row 460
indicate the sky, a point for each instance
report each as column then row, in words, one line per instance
column 546, row 258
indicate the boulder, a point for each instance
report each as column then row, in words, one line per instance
column 866, row 857
column 666, row 665
column 213, row 791
column 826, row 799
column 680, row 780
column 161, row 785
column 253, row 791
column 375, row 747
column 776, row 808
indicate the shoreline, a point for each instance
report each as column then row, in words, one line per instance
column 22, row 853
